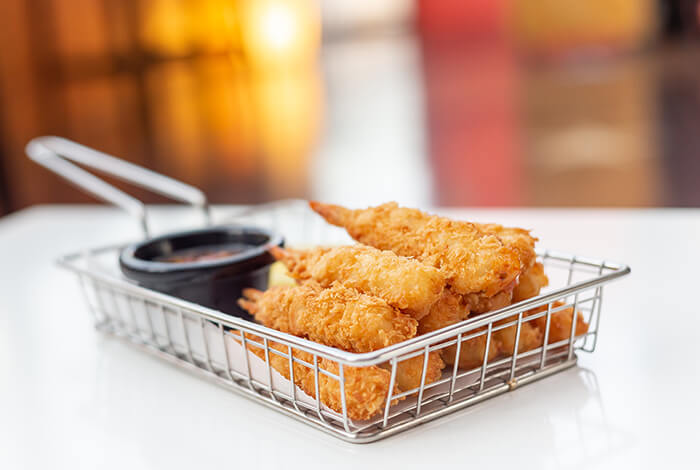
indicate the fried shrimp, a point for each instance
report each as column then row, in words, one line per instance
column 471, row 260
column 338, row 316
column 472, row 351
column 478, row 304
column 342, row 318
column 404, row 283
column 560, row 323
column 366, row 388
column 410, row 371
column 530, row 283
column 530, row 336
column 516, row 238
column 448, row 310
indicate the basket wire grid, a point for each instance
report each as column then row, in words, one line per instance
column 216, row 346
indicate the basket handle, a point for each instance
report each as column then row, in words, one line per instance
column 57, row 153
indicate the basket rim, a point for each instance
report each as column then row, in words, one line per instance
column 388, row 353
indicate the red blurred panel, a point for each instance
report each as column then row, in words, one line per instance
column 470, row 86
column 461, row 18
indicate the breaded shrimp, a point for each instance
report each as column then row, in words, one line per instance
column 410, row 371
column 338, row 316
column 516, row 238
column 448, row 310
column 502, row 342
column 530, row 336
column 335, row 317
column 366, row 388
column 479, row 304
column 523, row 243
column 471, row 353
column 452, row 308
column 404, row 283
column 472, row 261
column 530, row 282
column 560, row 323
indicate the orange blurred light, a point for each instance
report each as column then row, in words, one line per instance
column 553, row 27
column 279, row 33
column 278, row 27
column 165, row 29
column 289, row 112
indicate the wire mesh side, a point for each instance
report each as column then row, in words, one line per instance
column 300, row 383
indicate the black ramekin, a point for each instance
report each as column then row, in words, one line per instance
column 214, row 283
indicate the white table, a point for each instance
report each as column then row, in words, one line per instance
column 72, row 398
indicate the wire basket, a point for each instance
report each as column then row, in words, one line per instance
column 264, row 364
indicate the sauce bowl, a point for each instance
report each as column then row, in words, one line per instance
column 208, row 266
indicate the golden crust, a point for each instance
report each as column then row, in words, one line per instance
column 479, row 304
column 336, row 316
column 360, row 298
column 530, row 336
column 530, row 283
column 448, row 310
column 515, row 238
column 471, row 353
column 471, row 260
column 518, row 240
column 330, row 316
column 410, row 371
column 404, row 283
column 560, row 323
column 366, row 388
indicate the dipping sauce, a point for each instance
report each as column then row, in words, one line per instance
column 209, row 266
column 201, row 253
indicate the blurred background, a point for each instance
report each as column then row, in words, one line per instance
column 428, row 102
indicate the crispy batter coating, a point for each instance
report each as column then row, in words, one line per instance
column 471, row 260
column 366, row 388
column 479, row 304
column 560, row 324
column 520, row 241
column 452, row 308
column 530, row 336
column 516, row 238
column 404, row 283
column 448, row 310
column 530, row 282
column 330, row 316
column 502, row 344
column 319, row 318
column 410, row 371
column 338, row 316
column 471, row 353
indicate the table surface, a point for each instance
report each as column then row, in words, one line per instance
column 71, row 397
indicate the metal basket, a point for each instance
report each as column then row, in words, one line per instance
column 216, row 346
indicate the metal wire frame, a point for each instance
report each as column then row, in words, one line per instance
column 204, row 341
column 176, row 330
